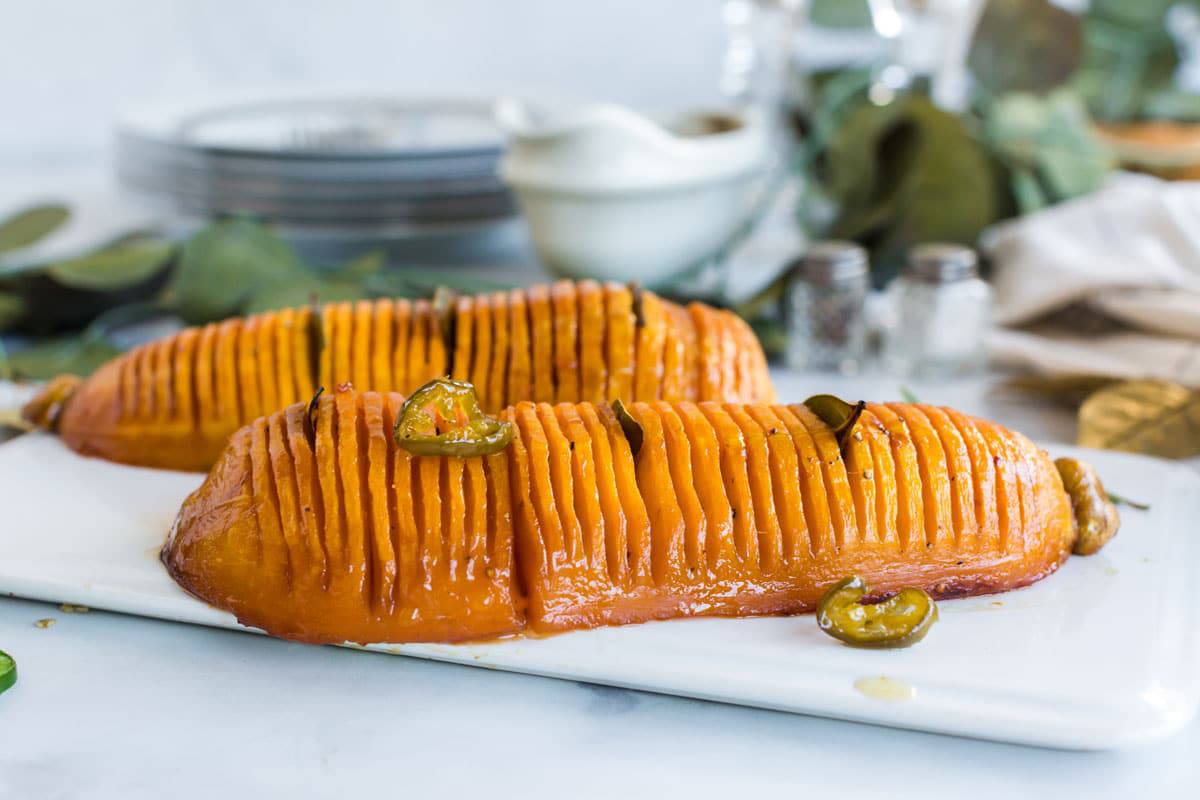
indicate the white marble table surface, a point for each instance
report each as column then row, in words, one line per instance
column 110, row 706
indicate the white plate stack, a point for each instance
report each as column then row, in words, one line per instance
column 364, row 166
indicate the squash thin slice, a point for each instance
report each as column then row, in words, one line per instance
column 593, row 374
column 732, row 445
column 381, row 346
column 634, row 505
column 758, row 470
column 817, row 513
column 910, row 516
column 785, row 486
column 615, row 523
column 935, row 478
column 496, row 397
column 520, row 375
column 565, row 317
column 541, row 331
column 586, row 488
column 719, row 547
column 679, row 459
column 668, row 560
column 619, row 346
column 481, row 359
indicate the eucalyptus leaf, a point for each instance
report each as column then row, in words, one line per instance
column 1157, row 418
column 1129, row 56
column 1024, row 45
column 227, row 263
column 838, row 414
column 31, row 225
column 117, row 267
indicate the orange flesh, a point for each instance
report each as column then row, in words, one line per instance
column 344, row 537
column 174, row 403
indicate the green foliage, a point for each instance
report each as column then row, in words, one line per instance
column 234, row 266
column 1130, row 61
column 840, row 13
column 1047, row 147
column 122, row 265
column 904, row 174
column 224, row 265
column 31, row 225
column 1024, row 46
column 78, row 355
column 12, row 309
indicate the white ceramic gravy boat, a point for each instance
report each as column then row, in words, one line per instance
column 613, row 195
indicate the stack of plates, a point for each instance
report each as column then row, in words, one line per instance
column 383, row 165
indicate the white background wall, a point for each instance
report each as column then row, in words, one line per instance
column 67, row 68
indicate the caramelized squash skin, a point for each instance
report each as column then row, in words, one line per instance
column 727, row 510
column 174, row 403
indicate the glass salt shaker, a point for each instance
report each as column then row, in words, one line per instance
column 940, row 312
column 824, row 308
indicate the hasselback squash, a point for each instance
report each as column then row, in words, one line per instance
column 174, row 402
column 321, row 528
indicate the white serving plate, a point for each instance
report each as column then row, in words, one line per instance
column 1106, row 653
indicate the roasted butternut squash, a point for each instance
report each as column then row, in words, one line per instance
column 331, row 532
column 173, row 403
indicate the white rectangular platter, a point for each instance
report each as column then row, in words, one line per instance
column 1105, row 653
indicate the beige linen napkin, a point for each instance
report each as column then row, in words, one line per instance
column 1107, row 284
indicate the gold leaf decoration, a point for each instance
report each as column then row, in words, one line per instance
column 1157, row 418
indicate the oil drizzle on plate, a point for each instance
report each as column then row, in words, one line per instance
column 881, row 687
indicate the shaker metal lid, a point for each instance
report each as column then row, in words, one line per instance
column 832, row 261
column 940, row 262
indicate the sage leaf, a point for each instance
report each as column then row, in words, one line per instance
column 1157, row 418
column 310, row 417
column 363, row 267
column 837, row 414
column 222, row 266
column 634, row 434
column 117, row 267
column 31, row 225
column 73, row 354
column 299, row 291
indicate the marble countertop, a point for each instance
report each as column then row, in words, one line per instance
column 110, row 706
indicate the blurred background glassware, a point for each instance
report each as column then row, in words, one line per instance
column 940, row 312
column 334, row 175
column 611, row 194
column 824, row 308
column 926, row 41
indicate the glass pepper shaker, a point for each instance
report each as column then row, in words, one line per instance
column 824, row 308
column 940, row 314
